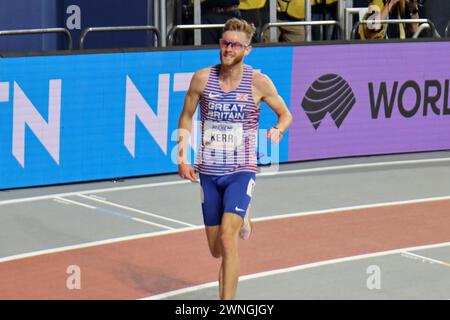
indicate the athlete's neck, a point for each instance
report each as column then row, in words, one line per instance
column 231, row 73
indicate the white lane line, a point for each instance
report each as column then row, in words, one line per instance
column 161, row 233
column 352, row 208
column 111, row 189
column 420, row 257
column 182, row 182
column 127, row 216
column 199, row 287
column 111, row 212
column 135, row 210
column 295, row 268
column 97, row 197
column 61, row 202
column 96, row 243
column 354, row 166
column 152, row 223
column 67, row 201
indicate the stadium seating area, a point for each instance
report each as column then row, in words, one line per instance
column 51, row 25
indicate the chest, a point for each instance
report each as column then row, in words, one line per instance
column 229, row 85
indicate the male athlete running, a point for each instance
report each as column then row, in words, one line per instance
column 229, row 95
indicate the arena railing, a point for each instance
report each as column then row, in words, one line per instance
column 423, row 26
column 396, row 21
column 273, row 17
column 299, row 23
column 154, row 29
column 40, row 31
column 349, row 19
column 176, row 28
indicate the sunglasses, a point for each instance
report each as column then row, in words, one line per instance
column 234, row 45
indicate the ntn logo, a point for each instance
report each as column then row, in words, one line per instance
column 136, row 107
column 25, row 114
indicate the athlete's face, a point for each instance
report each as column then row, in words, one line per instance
column 234, row 46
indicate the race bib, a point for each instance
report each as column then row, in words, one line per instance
column 222, row 135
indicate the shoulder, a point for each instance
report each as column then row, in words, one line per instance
column 201, row 75
column 199, row 80
column 262, row 82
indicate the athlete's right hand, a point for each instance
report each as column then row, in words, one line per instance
column 185, row 171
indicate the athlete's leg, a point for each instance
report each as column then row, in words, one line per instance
column 212, row 212
column 236, row 199
column 212, row 215
column 221, row 282
column 215, row 247
column 213, row 237
column 229, row 231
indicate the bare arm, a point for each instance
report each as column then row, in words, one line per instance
column 196, row 87
column 266, row 91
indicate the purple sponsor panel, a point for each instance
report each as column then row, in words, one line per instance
column 365, row 99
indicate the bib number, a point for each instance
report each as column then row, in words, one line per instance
column 222, row 135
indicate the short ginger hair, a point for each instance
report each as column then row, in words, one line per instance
column 235, row 24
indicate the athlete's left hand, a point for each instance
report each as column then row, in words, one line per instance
column 275, row 135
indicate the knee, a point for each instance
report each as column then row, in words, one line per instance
column 228, row 242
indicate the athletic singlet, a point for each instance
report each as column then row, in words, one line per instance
column 229, row 127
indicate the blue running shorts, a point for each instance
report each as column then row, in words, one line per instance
column 228, row 193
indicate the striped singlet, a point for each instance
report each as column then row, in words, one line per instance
column 229, row 127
